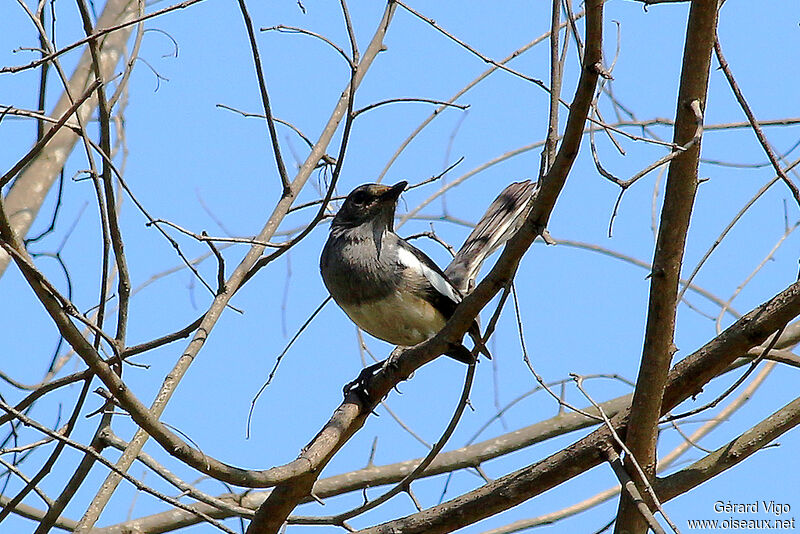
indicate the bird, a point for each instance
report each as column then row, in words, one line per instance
column 394, row 291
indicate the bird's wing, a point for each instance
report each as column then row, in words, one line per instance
column 418, row 262
column 439, row 291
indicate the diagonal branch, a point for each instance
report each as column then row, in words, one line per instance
column 723, row 64
column 730, row 454
column 26, row 196
column 630, row 488
column 148, row 419
column 53, row 130
column 262, row 85
column 686, row 379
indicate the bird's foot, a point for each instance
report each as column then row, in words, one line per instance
column 360, row 386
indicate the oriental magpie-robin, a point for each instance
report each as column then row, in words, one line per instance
column 390, row 288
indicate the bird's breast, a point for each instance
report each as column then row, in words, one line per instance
column 399, row 318
column 371, row 284
column 353, row 271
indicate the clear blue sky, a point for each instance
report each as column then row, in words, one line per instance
column 584, row 313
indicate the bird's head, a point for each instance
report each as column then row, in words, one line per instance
column 370, row 203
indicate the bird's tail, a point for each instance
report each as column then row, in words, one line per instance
column 502, row 219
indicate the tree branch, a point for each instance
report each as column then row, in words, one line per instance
column 262, row 85
column 730, row 454
column 28, row 192
column 148, row 419
column 686, row 379
column 668, row 258
column 762, row 139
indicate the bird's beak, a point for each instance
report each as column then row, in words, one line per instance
column 393, row 193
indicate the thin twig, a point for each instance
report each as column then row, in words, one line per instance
column 100, row 458
column 469, row 48
column 280, row 358
column 753, row 122
column 755, row 271
column 537, row 376
column 96, row 35
column 628, row 454
column 763, row 189
column 262, row 85
column 37, row 147
column 292, row 29
column 423, row 100
column 736, row 383
column 630, row 487
column 205, row 238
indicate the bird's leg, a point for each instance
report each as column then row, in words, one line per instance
column 391, row 361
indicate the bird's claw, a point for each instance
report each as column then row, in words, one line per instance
column 359, row 386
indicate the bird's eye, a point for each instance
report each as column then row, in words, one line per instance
column 359, row 197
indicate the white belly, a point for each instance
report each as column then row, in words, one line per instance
column 399, row 319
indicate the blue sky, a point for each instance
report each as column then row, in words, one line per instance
column 584, row 313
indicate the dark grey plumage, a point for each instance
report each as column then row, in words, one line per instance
column 391, row 289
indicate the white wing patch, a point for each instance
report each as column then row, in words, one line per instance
column 439, row 282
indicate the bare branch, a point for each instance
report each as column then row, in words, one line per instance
column 686, row 379
column 292, row 29
column 730, row 454
column 30, row 189
column 88, row 450
column 262, row 85
column 104, row 29
column 52, row 131
column 633, row 492
column 753, row 122
column 423, row 100
column 664, row 281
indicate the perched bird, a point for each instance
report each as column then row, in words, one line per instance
column 390, row 288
